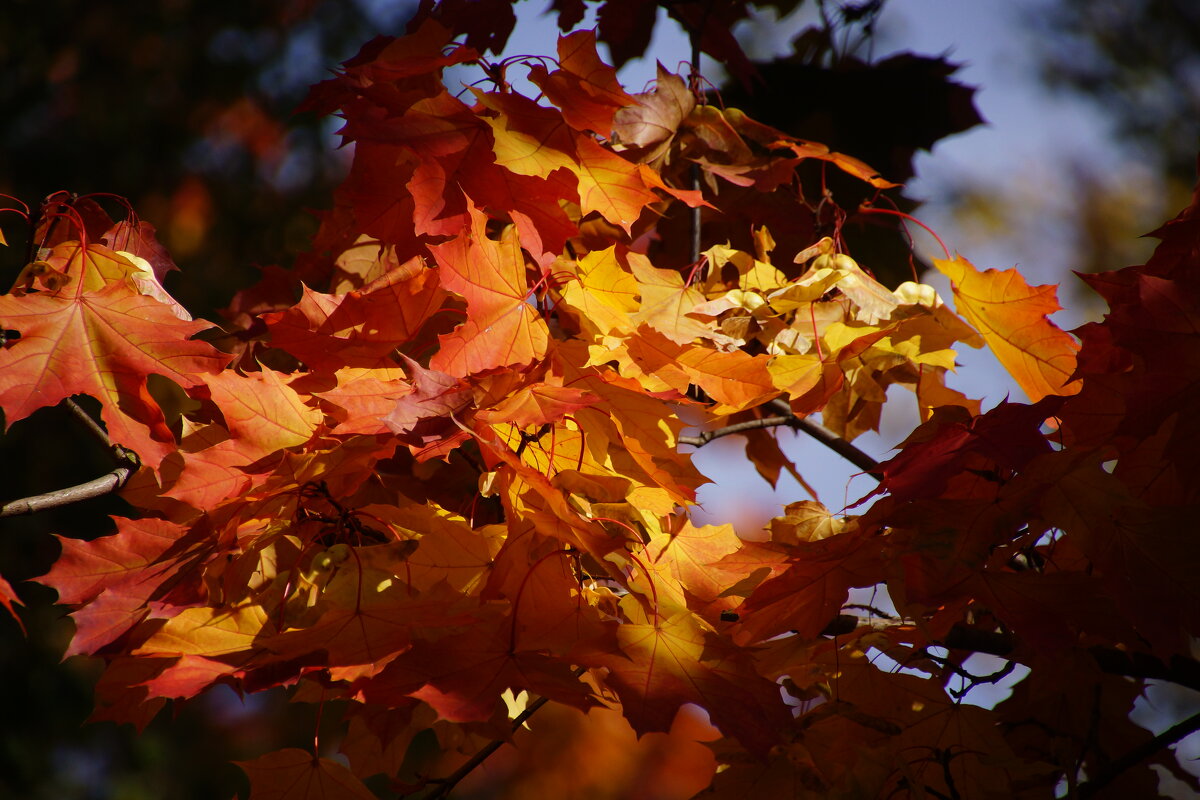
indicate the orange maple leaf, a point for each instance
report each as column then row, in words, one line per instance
column 736, row 380
column 665, row 662
column 262, row 412
column 502, row 328
column 100, row 337
column 1013, row 318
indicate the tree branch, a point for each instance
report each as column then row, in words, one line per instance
column 127, row 464
column 1139, row 754
column 840, row 446
column 704, row 437
column 817, row 431
column 103, row 485
column 1180, row 671
column 449, row 782
column 94, row 428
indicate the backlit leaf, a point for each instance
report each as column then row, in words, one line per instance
column 1014, row 320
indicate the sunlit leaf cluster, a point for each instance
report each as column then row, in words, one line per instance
column 441, row 470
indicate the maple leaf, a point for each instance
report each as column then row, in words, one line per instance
column 585, row 88
column 208, row 632
column 187, row 677
column 770, row 137
column 112, row 578
column 1008, row 435
column 692, row 555
column 666, row 662
column 362, row 327
column 293, row 774
column 97, row 336
column 262, row 412
column 610, row 185
column 528, row 139
column 667, row 303
column 806, row 521
column 736, row 380
column 604, row 293
column 377, row 739
column 365, row 615
column 425, row 415
column 8, row 598
column 538, row 404
column 206, row 470
column 138, row 238
column 652, row 122
column 502, row 329
column 807, row 594
column 463, row 678
column 121, row 694
column 363, row 398
column 551, row 612
column 1143, row 553
column 1013, row 319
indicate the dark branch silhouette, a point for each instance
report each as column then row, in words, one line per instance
column 814, row 429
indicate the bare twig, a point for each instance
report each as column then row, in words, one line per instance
column 103, row 485
column 448, row 783
column 704, row 437
column 970, row 679
column 127, row 464
column 85, row 419
column 814, row 429
column 831, row 440
column 445, row 785
column 1179, row 670
column 840, row 446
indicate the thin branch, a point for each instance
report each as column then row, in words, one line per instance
column 705, row 437
column 122, row 455
column 840, row 446
column 448, row 783
column 1180, row 670
column 85, row 419
column 103, row 485
column 814, row 429
column 127, row 464
column 1139, row 754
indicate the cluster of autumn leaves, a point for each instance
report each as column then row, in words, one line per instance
column 452, row 480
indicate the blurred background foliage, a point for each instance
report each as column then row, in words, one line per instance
column 185, row 108
column 1136, row 63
